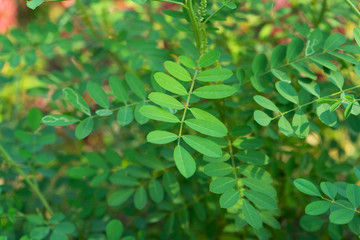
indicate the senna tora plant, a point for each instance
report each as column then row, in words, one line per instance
column 181, row 119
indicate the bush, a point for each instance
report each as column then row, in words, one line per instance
column 181, row 119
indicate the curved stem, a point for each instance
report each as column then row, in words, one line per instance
column 353, row 7
column 34, row 187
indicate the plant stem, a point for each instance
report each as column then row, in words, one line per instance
column 169, row 1
column 323, row 10
column 34, row 187
column 194, row 23
column 353, row 7
column 341, row 205
column 187, row 105
column 214, row 13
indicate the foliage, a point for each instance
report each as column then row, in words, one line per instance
column 203, row 121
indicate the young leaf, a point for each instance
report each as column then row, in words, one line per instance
column 285, row 127
column 262, row 118
column 158, row 114
column 161, row 137
column 114, row 229
column 184, row 162
column 119, row 197
column 217, row 169
column 169, row 83
column 300, row 124
column 325, row 115
column 84, row 128
column 214, row 74
column 118, row 88
column 348, row 109
column 76, row 100
column 135, row 85
column 335, row 40
column 222, row 184
column 328, row 189
column 165, row 100
column 34, row 4
column 187, row 62
column 140, row 198
column 287, row 91
column 177, row 71
column 215, row 91
column 156, row 191
column 253, row 157
column 229, row 198
column 206, row 127
column 260, row 199
column 294, row 48
column 266, row 103
column 203, row 145
column 307, row 187
column 209, row 58
column 98, row 94
column 251, row 215
column 56, row 120
column 125, row 115
column 317, row 207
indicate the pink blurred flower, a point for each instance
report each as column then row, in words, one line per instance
column 8, row 14
column 68, row 3
column 281, row 4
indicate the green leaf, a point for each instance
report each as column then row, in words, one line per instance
column 307, row 187
column 259, row 64
column 336, row 78
column 161, row 137
column 34, row 4
column 318, row 207
column 209, row 58
column 353, row 194
column 356, row 32
column 118, row 88
column 278, row 55
column 34, row 118
column 310, row 86
column 140, row 198
column 65, row 227
column 314, row 43
column 262, row 118
column 104, row 112
column 294, row 48
column 203, row 146
column 282, row 76
column 260, row 199
column 357, row 172
column 76, row 100
column 114, row 229
column 335, row 40
column 324, row 62
column 58, row 120
column 165, row 100
column 204, row 115
column 171, row 185
column 329, row 189
column 119, row 197
column 222, row 184
column 302, row 68
column 84, row 128
column 169, row 83
column 141, row 119
column 80, row 172
column 341, row 215
column 177, row 71
column 39, row 233
column 158, row 114
column 348, row 110
column 325, row 115
column 285, row 127
column 253, row 157
column 248, row 143
column 58, row 236
column 311, row 223
column 135, row 85
column 206, row 127
column 229, row 198
column 300, row 124
column 344, row 57
column 287, row 91
column 217, row 169
column 259, row 84
column 215, row 91
column 125, row 115
column 184, row 161
column 266, row 103
column 251, row 215
column 156, row 191
column 98, row 94
column 214, row 74
column 187, row 62
column 259, row 186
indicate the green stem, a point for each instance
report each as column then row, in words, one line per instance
column 194, row 23
column 36, row 190
column 353, row 7
column 169, row 1
column 187, row 105
column 214, row 13
column 309, row 103
column 321, row 15
column 339, row 204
